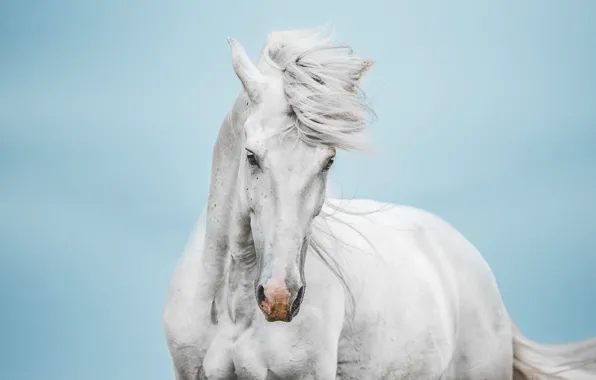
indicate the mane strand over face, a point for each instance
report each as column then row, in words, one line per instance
column 321, row 84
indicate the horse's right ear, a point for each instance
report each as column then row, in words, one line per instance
column 247, row 72
column 366, row 65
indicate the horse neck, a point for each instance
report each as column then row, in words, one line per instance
column 221, row 212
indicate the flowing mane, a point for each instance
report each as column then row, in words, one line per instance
column 321, row 84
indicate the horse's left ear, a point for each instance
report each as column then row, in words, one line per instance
column 250, row 76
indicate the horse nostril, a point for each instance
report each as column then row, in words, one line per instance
column 297, row 301
column 260, row 294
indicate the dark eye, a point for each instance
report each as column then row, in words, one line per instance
column 252, row 160
column 329, row 164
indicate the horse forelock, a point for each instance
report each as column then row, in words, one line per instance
column 321, row 83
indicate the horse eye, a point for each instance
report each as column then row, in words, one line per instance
column 329, row 164
column 252, row 160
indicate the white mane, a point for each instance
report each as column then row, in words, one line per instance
column 321, row 84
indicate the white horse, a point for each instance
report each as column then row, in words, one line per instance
column 393, row 292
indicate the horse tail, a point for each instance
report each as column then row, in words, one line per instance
column 535, row 361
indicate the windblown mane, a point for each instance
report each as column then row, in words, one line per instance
column 321, row 84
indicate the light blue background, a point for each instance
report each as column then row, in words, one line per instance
column 109, row 110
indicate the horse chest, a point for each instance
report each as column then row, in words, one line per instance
column 233, row 354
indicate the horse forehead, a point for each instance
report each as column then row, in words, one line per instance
column 266, row 121
column 274, row 95
column 286, row 154
column 297, row 163
column 274, row 99
column 289, row 145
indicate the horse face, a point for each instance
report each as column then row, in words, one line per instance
column 283, row 183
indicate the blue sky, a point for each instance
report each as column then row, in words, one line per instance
column 109, row 110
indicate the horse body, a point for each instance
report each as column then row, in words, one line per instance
column 415, row 282
column 427, row 305
column 366, row 290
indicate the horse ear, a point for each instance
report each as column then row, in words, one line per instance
column 366, row 65
column 247, row 72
